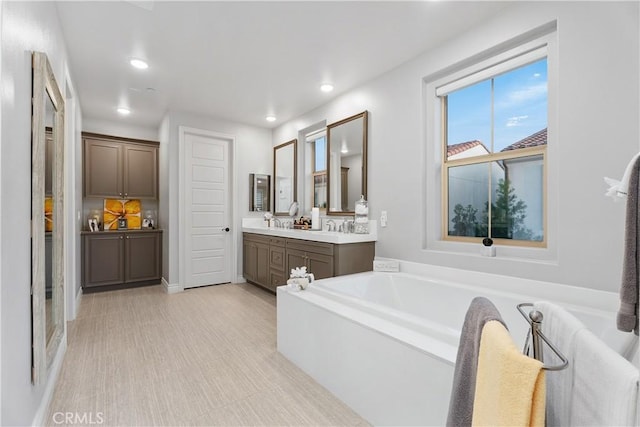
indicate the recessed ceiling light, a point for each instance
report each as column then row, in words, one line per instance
column 124, row 111
column 270, row 118
column 326, row 87
column 139, row 63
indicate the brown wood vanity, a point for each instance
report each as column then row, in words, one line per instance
column 267, row 260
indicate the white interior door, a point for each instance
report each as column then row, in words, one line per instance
column 207, row 240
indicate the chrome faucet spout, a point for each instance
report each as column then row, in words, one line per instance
column 331, row 225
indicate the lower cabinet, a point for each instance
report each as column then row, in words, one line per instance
column 322, row 259
column 121, row 257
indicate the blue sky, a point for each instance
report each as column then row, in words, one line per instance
column 520, row 108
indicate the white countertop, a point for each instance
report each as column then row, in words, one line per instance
column 313, row 235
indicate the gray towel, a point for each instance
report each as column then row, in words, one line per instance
column 628, row 313
column 480, row 311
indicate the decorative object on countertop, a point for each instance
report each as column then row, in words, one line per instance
column 115, row 209
column 149, row 220
column 361, row 222
column 303, row 223
column 315, row 219
column 267, row 218
column 96, row 216
column 299, row 279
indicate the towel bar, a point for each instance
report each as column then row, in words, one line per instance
column 535, row 319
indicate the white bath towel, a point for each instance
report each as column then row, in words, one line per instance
column 561, row 328
column 605, row 389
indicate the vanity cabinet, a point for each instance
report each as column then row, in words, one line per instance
column 264, row 260
column 283, row 254
column 121, row 257
column 316, row 256
column 120, row 168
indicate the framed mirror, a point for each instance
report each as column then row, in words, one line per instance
column 346, row 164
column 285, row 187
column 47, row 281
column 259, row 193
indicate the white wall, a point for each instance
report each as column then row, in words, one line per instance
column 253, row 154
column 119, row 128
column 26, row 26
column 597, row 134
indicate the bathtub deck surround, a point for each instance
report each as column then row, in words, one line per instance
column 393, row 337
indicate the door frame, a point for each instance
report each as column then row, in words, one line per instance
column 231, row 163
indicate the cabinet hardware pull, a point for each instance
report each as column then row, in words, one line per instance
column 226, row 229
column 120, row 237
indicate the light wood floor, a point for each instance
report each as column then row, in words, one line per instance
column 205, row 356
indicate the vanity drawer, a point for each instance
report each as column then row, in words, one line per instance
column 277, row 241
column 311, row 246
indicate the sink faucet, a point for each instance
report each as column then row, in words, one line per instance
column 331, row 225
column 277, row 223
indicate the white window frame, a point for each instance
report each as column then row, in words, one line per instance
column 463, row 74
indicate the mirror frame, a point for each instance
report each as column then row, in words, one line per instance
column 253, row 184
column 295, row 175
column 45, row 86
column 365, row 126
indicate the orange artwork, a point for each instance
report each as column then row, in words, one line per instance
column 115, row 209
column 48, row 214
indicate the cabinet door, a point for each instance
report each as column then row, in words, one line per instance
column 140, row 171
column 320, row 265
column 249, row 261
column 295, row 258
column 103, row 262
column 276, row 258
column 277, row 279
column 142, row 252
column 102, row 168
column 262, row 264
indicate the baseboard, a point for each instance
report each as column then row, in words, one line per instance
column 171, row 288
column 78, row 301
column 52, row 380
column 240, row 279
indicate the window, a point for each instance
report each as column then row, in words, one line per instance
column 494, row 139
column 319, row 168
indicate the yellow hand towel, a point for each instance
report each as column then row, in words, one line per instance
column 510, row 387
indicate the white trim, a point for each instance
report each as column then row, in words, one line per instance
column 231, row 139
column 504, row 66
column 52, row 380
column 171, row 288
column 76, row 309
column 432, row 178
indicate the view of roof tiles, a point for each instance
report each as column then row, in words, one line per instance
column 538, row 138
column 533, row 140
column 454, row 149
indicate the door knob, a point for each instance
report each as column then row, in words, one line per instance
column 226, row 229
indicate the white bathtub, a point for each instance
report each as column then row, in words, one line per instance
column 386, row 343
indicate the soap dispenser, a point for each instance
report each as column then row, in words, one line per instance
column 361, row 222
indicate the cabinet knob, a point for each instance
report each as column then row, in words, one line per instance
column 126, row 194
column 127, row 237
column 120, row 237
column 226, row 229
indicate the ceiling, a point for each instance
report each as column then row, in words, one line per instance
column 243, row 61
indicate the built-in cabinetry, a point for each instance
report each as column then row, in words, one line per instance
column 113, row 258
column 267, row 259
column 120, row 168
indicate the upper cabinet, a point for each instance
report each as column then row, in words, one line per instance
column 120, row 168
